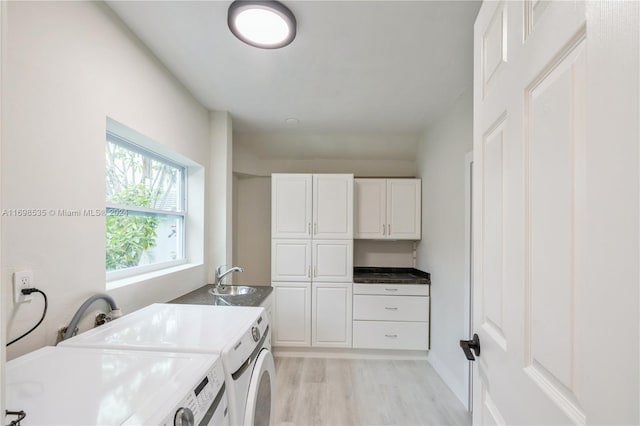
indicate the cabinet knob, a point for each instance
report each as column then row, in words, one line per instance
column 384, row 229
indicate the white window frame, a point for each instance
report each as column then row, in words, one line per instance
column 181, row 213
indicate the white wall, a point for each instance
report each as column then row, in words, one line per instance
column 221, row 192
column 399, row 254
column 247, row 161
column 441, row 165
column 252, row 220
column 70, row 65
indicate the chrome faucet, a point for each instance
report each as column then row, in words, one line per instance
column 220, row 275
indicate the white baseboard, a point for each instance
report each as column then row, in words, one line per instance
column 459, row 389
column 348, row 353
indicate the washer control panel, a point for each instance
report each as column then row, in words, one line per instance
column 201, row 402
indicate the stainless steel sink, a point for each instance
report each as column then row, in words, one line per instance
column 232, row 290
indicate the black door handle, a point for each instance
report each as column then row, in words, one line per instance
column 467, row 345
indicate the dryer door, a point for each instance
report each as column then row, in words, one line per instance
column 262, row 392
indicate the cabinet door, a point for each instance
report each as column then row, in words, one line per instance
column 332, row 260
column 291, row 314
column 404, row 209
column 291, row 198
column 333, row 206
column 291, row 260
column 370, row 214
column 332, row 318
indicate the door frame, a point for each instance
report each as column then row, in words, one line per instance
column 468, row 271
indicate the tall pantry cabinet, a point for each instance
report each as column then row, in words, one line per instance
column 312, row 259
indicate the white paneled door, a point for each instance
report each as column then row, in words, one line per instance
column 556, row 191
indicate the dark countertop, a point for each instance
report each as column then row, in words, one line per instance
column 371, row 275
column 201, row 296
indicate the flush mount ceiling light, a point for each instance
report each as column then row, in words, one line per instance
column 264, row 24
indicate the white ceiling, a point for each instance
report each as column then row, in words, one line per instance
column 355, row 67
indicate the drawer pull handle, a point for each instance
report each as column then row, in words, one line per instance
column 391, row 309
column 392, row 336
column 391, row 289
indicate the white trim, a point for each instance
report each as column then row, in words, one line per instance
column 121, row 274
column 348, row 353
column 3, row 316
column 468, row 306
column 151, row 211
column 145, row 142
column 122, row 282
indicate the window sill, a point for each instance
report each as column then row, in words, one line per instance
column 122, row 282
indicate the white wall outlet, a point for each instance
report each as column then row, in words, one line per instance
column 22, row 279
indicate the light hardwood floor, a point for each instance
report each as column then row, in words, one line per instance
column 335, row 392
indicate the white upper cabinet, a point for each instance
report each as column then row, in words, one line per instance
column 388, row 209
column 291, row 201
column 312, row 206
column 333, row 206
column 404, row 209
column 370, row 208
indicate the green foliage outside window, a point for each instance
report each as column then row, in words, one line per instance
column 137, row 181
column 129, row 236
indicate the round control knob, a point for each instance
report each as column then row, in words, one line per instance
column 184, row 417
column 255, row 333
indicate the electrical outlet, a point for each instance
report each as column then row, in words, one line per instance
column 22, row 279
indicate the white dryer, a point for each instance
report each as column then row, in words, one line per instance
column 240, row 335
column 69, row 386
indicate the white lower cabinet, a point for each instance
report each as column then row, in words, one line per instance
column 292, row 314
column 390, row 308
column 391, row 316
column 331, row 315
column 318, row 314
column 390, row 335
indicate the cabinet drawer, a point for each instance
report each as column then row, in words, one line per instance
column 391, row 308
column 390, row 335
column 392, row 289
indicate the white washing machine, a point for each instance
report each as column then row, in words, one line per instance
column 240, row 335
column 70, row 386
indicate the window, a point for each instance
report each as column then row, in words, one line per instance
column 145, row 200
